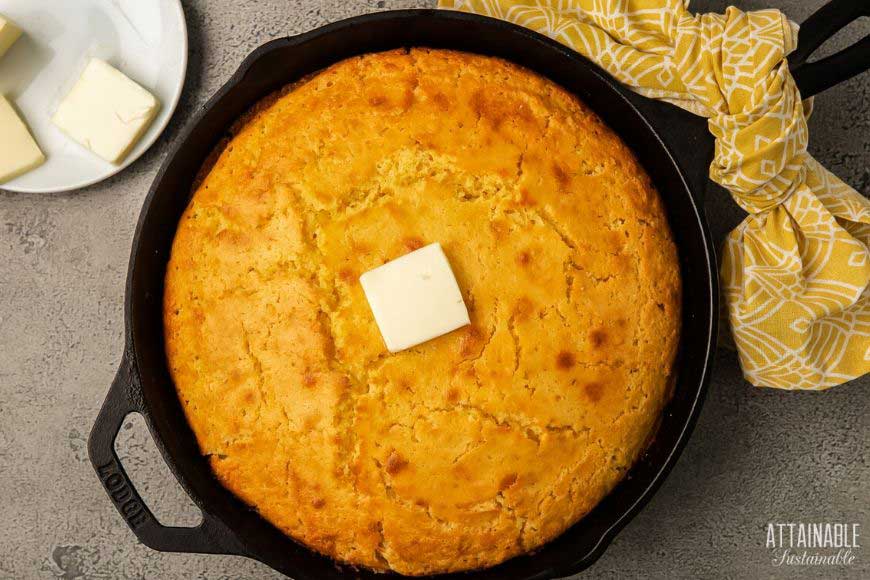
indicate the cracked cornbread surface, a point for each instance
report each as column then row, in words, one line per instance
column 468, row 449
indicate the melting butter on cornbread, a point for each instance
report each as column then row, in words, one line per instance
column 415, row 298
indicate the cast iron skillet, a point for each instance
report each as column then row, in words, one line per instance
column 673, row 146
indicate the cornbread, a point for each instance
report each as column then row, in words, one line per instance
column 478, row 445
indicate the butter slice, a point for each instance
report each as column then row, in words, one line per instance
column 106, row 111
column 415, row 298
column 9, row 33
column 19, row 153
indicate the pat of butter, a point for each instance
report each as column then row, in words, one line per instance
column 415, row 298
column 106, row 111
column 19, row 153
column 9, row 33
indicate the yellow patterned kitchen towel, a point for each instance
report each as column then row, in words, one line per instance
column 795, row 273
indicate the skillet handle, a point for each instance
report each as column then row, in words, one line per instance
column 125, row 397
column 815, row 77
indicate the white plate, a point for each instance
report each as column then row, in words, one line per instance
column 144, row 39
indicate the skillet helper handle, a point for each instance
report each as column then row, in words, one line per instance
column 815, row 77
column 125, row 397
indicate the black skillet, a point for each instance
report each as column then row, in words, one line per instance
column 675, row 148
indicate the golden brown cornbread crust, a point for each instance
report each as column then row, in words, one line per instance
column 476, row 446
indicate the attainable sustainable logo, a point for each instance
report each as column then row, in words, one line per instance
column 814, row 543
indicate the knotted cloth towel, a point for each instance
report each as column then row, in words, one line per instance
column 795, row 273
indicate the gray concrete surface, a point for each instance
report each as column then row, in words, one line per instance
column 757, row 456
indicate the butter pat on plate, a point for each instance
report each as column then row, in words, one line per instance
column 9, row 33
column 106, row 112
column 19, row 153
column 415, row 298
